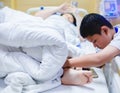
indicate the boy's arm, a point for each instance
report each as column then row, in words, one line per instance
column 96, row 59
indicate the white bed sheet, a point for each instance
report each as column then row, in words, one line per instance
column 97, row 86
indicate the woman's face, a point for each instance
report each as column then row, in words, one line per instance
column 68, row 17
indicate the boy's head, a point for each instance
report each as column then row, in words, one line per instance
column 95, row 28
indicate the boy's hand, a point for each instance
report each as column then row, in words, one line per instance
column 66, row 65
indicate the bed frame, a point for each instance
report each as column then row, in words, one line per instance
column 35, row 9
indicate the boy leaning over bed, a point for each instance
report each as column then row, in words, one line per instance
column 74, row 77
column 96, row 29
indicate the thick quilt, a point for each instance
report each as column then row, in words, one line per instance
column 31, row 54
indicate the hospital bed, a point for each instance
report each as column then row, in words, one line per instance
column 98, row 85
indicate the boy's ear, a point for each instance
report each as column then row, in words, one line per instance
column 104, row 29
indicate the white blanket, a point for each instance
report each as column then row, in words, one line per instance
column 43, row 66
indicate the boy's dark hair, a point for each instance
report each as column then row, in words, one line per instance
column 91, row 24
column 74, row 19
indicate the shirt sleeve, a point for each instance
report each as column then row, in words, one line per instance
column 116, row 41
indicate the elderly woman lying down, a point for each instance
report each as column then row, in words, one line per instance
column 33, row 52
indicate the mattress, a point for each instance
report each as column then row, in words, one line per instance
column 97, row 86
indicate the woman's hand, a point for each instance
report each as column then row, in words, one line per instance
column 76, row 77
column 66, row 8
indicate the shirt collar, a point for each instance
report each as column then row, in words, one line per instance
column 116, row 29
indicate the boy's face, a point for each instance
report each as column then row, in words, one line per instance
column 100, row 40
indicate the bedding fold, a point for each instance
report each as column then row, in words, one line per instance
column 20, row 82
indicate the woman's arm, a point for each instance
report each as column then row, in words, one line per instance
column 48, row 12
